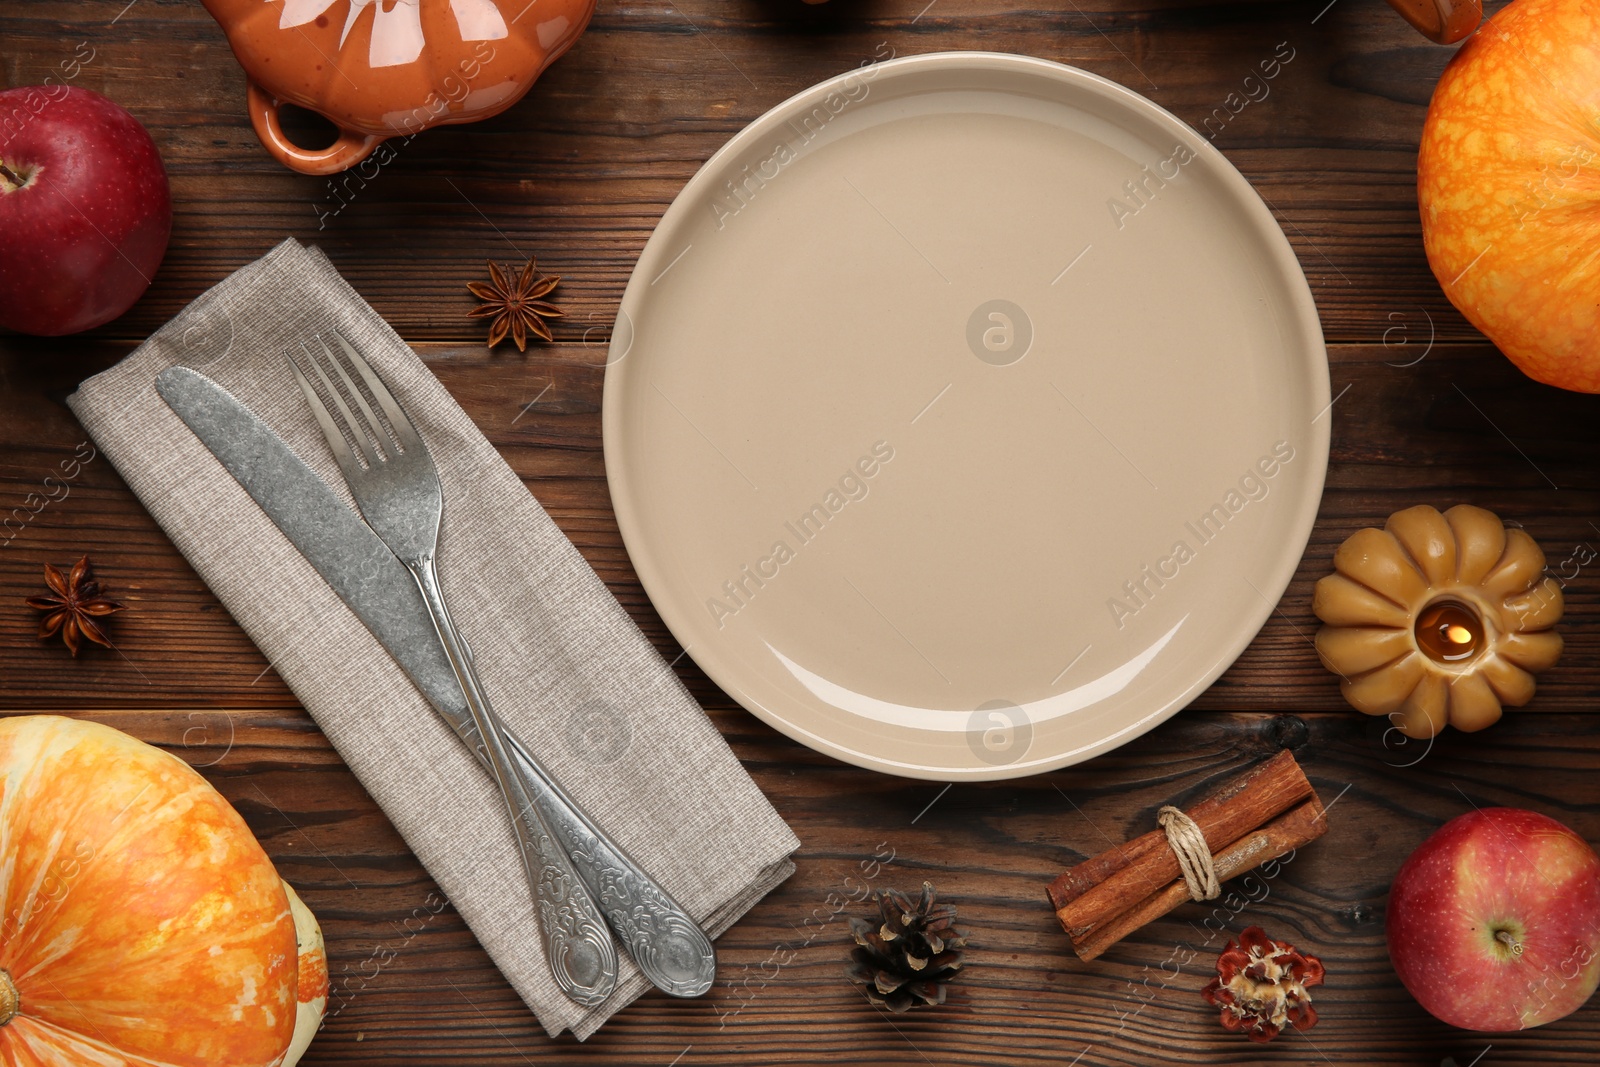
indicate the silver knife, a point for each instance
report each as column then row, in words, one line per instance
column 671, row 950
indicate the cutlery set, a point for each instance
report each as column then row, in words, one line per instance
column 386, row 570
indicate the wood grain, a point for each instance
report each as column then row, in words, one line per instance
column 1461, row 425
column 428, row 995
column 579, row 173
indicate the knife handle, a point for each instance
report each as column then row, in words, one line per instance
column 666, row 943
column 579, row 950
column 663, row 939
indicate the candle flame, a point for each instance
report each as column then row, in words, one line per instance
column 1458, row 635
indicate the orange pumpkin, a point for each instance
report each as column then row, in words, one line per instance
column 142, row 922
column 1508, row 179
column 386, row 68
column 312, row 993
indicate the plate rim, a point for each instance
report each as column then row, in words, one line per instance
column 723, row 672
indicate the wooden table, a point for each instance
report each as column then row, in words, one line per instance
column 579, row 172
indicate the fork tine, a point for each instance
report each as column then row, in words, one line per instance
column 341, row 451
column 370, row 423
column 403, row 427
column 334, row 427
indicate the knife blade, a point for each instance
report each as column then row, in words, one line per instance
column 672, row 951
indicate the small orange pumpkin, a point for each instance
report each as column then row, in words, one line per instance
column 1507, row 188
column 312, row 993
column 386, row 68
column 142, row 922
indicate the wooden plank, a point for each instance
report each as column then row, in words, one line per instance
column 411, row 984
column 579, row 173
column 1458, row 425
column 581, row 170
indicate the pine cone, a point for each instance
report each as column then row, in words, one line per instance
column 1261, row 986
column 912, row 957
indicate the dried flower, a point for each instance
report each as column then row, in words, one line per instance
column 514, row 306
column 72, row 605
column 1261, row 986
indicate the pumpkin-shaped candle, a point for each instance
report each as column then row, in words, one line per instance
column 1438, row 619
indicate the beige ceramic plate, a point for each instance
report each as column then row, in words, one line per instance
column 966, row 416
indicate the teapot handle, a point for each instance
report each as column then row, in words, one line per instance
column 1441, row 21
column 351, row 147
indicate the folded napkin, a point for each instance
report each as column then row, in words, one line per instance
column 565, row 666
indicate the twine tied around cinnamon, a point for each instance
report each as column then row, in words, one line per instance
column 1257, row 817
column 1194, row 855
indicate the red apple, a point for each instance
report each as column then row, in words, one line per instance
column 1494, row 921
column 85, row 211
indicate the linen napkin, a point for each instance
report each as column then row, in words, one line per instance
column 563, row 663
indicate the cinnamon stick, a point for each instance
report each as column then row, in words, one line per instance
column 1122, row 878
column 1091, row 872
column 1296, row 827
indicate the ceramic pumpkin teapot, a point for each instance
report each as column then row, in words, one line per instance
column 385, row 68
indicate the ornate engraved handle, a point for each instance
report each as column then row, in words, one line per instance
column 669, row 947
column 580, row 952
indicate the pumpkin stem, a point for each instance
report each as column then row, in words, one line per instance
column 10, row 999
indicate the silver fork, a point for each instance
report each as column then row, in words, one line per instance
column 394, row 482
column 666, row 943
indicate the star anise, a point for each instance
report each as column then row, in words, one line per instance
column 72, row 605
column 514, row 306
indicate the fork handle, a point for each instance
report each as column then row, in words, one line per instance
column 660, row 935
column 663, row 939
column 579, row 949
